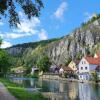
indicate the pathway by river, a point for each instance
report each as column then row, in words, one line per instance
column 4, row 93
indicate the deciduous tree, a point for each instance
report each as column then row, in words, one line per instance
column 9, row 8
column 44, row 63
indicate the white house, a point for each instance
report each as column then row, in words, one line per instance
column 87, row 66
column 34, row 69
column 61, row 71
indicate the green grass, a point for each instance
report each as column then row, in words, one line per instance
column 20, row 93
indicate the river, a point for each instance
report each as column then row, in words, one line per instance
column 60, row 90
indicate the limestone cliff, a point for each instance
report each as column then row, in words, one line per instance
column 82, row 41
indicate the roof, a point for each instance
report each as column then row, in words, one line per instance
column 67, row 69
column 76, row 62
column 94, row 61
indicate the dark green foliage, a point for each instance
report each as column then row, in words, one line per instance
column 30, row 8
column 4, row 61
column 68, row 61
column 79, row 55
column 95, row 77
column 30, row 53
column 44, row 63
column 0, row 41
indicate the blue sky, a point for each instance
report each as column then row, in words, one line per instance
column 58, row 18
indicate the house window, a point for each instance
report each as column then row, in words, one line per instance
column 85, row 68
column 81, row 68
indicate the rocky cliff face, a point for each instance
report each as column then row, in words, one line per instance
column 82, row 41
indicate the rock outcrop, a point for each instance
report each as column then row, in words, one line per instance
column 82, row 41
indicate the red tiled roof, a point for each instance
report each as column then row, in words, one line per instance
column 92, row 60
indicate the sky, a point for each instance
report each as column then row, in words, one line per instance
column 58, row 18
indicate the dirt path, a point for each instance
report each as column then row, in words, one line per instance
column 4, row 93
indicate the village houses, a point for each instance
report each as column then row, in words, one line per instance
column 88, row 66
column 74, row 65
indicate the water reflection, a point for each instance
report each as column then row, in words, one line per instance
column 62, row 90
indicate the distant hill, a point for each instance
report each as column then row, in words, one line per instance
column 82, row 41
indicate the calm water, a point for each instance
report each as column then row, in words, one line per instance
column 61, row 90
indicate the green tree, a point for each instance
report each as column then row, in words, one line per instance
column 0, row 41
column 95, row 77
column 68, row 61
column 4, row 62
column 79, row 55
column 44, row 63
column 30, row 8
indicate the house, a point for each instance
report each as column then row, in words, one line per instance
column 68, row 72
column 74, row 65
column 34, row 70
column 61, row 71
column 87, row 67
column 54, row 69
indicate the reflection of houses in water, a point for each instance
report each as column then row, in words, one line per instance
column 73, row 88
column 32, row 82
column 56, row 96
column 89, row 92
column 61, row 87
column 84, row 92
column 66, row 91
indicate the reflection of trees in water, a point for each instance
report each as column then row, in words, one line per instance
column 65, row 90
column 95, row 91
column 45, row 86
column 73, row 91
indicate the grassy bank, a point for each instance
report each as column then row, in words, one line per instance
column 20, row 93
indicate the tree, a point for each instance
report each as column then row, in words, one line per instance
column 30, row 8
column 4, row 62
column 44, row 63
column 0, row 41
column 79, row 55
column 68, row 61
column 95, row 77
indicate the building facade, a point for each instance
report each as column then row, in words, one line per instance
column 87, row 68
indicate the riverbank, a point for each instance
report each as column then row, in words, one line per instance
column 20, row 93
column 56, row 77
column 5, row 94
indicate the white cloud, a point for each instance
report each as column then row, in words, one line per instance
column 6, row 44
column 60, row 11
column 27, row 26
column 14, row 35
column 43, row 35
